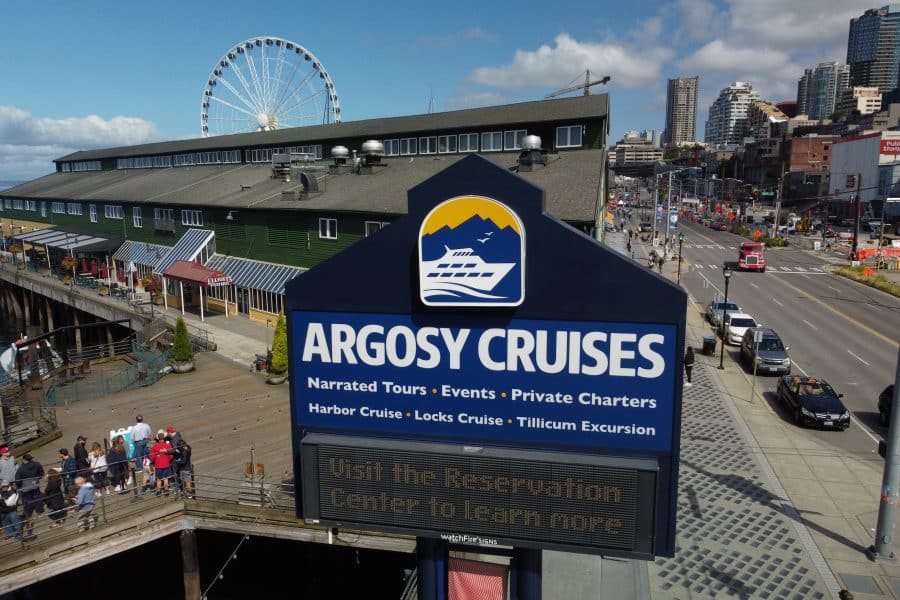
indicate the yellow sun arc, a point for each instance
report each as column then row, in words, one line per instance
column 459, row 210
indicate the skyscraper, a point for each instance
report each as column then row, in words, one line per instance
column 873, row 48
column 728, row 123
column 681, row 110
column 820, row 89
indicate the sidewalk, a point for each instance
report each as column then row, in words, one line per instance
column 765, row 508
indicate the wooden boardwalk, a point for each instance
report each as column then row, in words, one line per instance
column 221, row 409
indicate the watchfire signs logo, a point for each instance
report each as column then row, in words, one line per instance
column 472, row 253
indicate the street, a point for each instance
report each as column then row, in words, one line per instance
column 836, row 329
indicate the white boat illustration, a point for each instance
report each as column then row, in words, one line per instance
column 461, row 272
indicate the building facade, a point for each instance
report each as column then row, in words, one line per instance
column 873, row 48
column 820, row 88
column 262, row 207
column 681, row 111
column 862, row 100
column 764, row 119
column 728, row 116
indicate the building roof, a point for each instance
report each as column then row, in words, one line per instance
column 254, row 274
column 187, row 270
column 561, row 109
column 571, row 181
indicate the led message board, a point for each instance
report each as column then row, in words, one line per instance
column 485, row 497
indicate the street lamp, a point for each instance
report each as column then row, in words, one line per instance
column 680, row 243
column 727, row 273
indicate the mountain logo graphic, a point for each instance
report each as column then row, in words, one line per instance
column 472, row 253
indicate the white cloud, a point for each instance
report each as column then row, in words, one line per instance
column 719, row 57
column 31, row 144
column 549, row 67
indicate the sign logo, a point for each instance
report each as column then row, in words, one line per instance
column 472, row 253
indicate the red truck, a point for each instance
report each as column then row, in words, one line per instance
column 752, row 257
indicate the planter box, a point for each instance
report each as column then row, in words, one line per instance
column 183, row 367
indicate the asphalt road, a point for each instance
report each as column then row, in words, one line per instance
column 837, row 329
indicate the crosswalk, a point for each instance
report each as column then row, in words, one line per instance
column 772, row 269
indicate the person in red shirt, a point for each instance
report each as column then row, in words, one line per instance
column 161, row 455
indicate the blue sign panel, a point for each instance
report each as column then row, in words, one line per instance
column 673, row 219
column 531, row 382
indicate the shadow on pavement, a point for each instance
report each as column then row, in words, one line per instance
column 757, row 493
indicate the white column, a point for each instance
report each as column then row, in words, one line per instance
column 165, row 292
column 201, row 302
column 181, row 293
column 226, row 300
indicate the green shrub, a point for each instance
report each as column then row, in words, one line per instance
column 279, row 347
column 181, row 348
column 876, row 281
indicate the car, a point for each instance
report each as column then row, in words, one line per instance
column 736, row 324
column 847, row 222
column 645, row 226
column 768, row 356
column 714, row 311
column 721, row 226
column 885, row 402
column 813, row 402
column 706, row 221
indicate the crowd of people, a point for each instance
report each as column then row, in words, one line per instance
column 115, row 467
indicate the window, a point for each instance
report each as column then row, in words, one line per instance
column 392, row 147
column 468, row 142
column 113, row 211
column 43, row 208
column 374, row 226
column 568, row 136
column 512, row 140
column 92, row 208
column 59, row 208
column 446, row 144
column 75, row 208
column 18, row 204
column 407, row 146
column 492, row 141
column 428, row 145
column 192, row 218
column 136, row 216
column 31, row 205
column 328, row 228
column 163, row 219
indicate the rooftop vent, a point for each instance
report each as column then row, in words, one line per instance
column 309, row 182
column 373, row 150
column 340, row 154
column 532, row 156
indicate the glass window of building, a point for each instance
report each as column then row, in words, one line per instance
column 512, row 140
column 446, row 144
column 75, row 208
column 428, row 145
column 136, row 217
column 113, row 211
column 92, row 209
column 374, row 226
column 328, row 229
column 468, row 142
column 192, row 218
column 59, row 208
column 492, row 141
column 568, row 136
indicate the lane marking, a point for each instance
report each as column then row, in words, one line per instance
column 801, row 269
column 699, row 266
column 858, row 358
column 873, row 307
column 834, row 288
column 773, row 272
column 814, row 328
column 710, row 283
column 713, row 267
column 777, row 302
column 788, row 269
column 816, row 269
column 754, row 285
column 890, row 342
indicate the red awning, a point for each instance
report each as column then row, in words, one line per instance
column 192, row 272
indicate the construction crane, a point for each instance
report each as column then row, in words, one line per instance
column 581, row 86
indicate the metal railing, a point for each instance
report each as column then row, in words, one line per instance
column 22, row 420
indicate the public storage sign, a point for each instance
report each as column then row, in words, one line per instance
column 463, row 374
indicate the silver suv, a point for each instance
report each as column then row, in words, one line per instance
column 770, row 355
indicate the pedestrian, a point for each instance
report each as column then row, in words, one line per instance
column 173, row 436
column 54, row 498
column 161, row 455
column 29, row 477
column 99, row 469
column 67, row 466
column 688, row 365
column 140, row 437
column 84, row 502
column 628, row 246
column 117, row 464
column 7, row 465
column 660, row 262
column 82, row 461
column 184, row 468
column 9, row 511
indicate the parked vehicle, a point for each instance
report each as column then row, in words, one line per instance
column 885, row 402
column 714, row 311
column 706, row 221
column 769, row 355
column 752, row 257
column 721, row 226
column 735, row 326
column 645, row 226
column 813, row 402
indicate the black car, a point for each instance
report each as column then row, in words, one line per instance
column 645, row 227
column 813, row 402
column 769, row 355
column 885, row 401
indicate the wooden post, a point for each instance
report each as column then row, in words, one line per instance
column 76, row 322
column 190, row 565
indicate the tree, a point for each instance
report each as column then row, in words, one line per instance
column 279, row 348
column 181, row 348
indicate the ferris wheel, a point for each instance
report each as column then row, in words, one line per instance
column 267, row 83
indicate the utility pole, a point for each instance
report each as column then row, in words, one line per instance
column 856, row 211
column 655, row 202
column 778, row 202
column 669, row 206
column 882, row 550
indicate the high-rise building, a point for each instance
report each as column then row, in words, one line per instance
column 728, row 123
column 820, row 89
column 681, row 110
column 864, row 100
column 873, row 48
column 654, row 136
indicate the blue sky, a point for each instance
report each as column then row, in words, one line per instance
column 97, row 74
